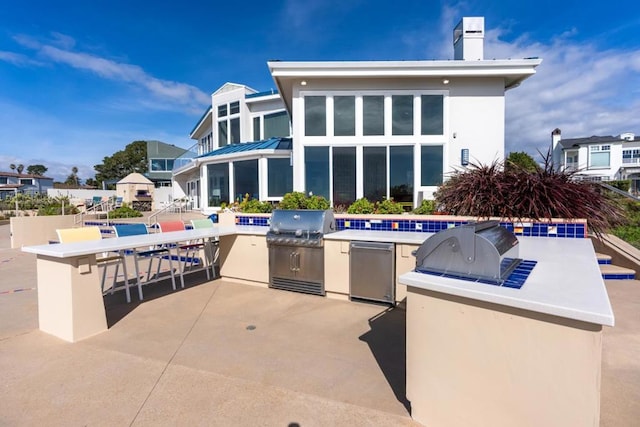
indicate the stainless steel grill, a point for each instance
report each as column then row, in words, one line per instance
column 478, row 251
column 296, row 254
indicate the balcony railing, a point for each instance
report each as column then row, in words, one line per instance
column 186, row 158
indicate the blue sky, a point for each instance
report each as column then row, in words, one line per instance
column 79, row 80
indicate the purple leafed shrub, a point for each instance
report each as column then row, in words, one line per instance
column 490, row 191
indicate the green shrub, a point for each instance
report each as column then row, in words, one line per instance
column 56, row 209
column 361, row 206
column 249, row 205
column 623, row 184
column 124, row 211
column 298, row 200
column 293, row 200
column 427, row 207
column 388, row 206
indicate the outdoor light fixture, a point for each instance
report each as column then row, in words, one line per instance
column 445, row 81
column 303, row 83
column 464, row 157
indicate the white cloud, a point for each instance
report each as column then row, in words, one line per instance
column 580, row 88
column 17, row 59
column 60, row 50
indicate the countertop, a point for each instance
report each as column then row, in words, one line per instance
column 565, row 282
column 406, row 237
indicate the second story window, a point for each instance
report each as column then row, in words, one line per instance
column 631, row 156
column 599, row 156
column 228, row 123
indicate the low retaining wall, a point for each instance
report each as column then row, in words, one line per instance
column 37, row 230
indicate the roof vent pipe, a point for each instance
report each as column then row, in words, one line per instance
column 468, row 39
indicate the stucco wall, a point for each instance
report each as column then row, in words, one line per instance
column 37, row 230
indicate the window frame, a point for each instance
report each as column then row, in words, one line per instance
column 594, row 151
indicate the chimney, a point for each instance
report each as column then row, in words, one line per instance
column 556, row 136
column 468, row 39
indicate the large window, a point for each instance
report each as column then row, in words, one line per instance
column 256, row 129
column 344, row 175
column 373, row 115
column 431, row 164
column 26, row 181
column 3, row 180
column 223, row 137
column 402, row 114
column 160, row 165
column 218, row 183
column 374, row 163
column 276, row 124
column 228, row 123
column 344, row 115
column 235, row 130
column 401, row 173
column 280, row 177
column 245, row 177
column 599, row 156
column 316, row 164
column 315, row 116
column 431, row 119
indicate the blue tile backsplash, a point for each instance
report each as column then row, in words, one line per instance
column 530, row 229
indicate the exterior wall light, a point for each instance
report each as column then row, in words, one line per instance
column 303, row 83
column 445, row 81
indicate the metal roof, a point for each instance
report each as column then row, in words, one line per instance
column 267, row 144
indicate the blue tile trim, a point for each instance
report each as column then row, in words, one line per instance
column 604, row 261
column 619, row 276
column 433, row 226
column 533, row 229
column 515, row 280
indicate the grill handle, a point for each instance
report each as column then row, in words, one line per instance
column 294, row 261
column 373, row 248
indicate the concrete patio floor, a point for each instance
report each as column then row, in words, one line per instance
column 221, row 353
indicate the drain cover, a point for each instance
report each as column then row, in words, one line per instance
column 251, row 327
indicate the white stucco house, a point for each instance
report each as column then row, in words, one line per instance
column 598, row 158
column 346, row 130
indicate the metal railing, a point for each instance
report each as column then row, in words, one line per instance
column 618, row 191
column 100, row 208
column 177, row 206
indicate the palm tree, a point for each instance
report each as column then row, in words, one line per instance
column 20, row 168
column 74, row 171
column 12, row 167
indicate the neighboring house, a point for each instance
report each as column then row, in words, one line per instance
column 11, row 182
column 161, row 157
column 598, row 158
column 346, row 130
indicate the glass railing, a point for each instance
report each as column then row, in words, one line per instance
column 185, row 158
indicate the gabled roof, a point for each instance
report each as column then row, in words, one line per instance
column 575, row 142
column 227, row 87
column 268, row 144
column 135, row 178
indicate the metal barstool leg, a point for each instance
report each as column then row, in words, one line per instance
column 135, row 264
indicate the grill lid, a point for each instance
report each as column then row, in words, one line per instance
column 301, row 221
column 483, row 250
column 300, row 227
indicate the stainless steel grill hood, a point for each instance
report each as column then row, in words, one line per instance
column 482, row 250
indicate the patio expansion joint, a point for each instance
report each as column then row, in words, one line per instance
column 170, row 361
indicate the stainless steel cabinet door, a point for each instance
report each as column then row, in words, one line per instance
column 310, row 264
column 282, row 261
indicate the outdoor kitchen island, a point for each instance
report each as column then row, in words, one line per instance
column 486, row 355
